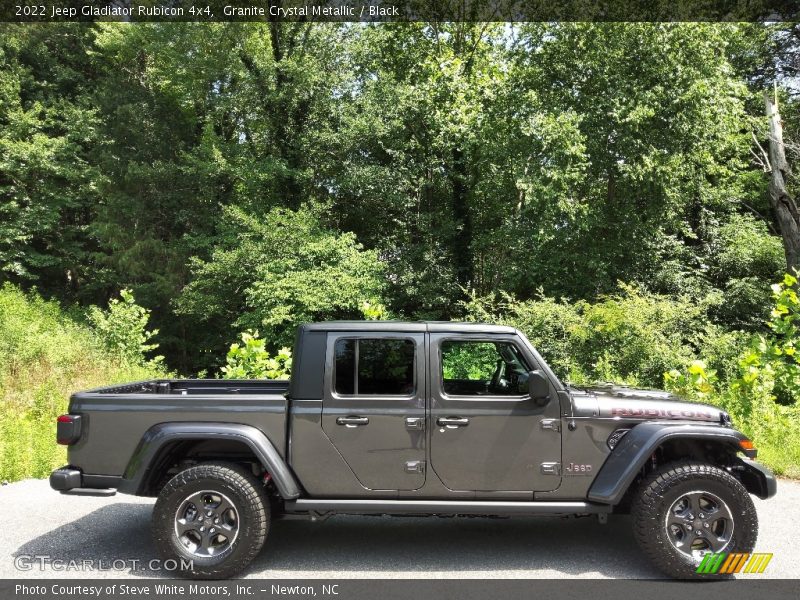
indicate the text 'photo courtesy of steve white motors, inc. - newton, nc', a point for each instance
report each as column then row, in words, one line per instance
column 194, row 590
column 207, row 12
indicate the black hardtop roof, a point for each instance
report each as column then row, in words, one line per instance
column 409, row 326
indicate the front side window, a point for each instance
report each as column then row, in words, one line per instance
column 482, row 368
column 374, row 367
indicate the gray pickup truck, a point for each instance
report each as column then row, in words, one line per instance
column 412, row 418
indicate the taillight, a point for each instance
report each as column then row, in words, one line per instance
column 68, row 429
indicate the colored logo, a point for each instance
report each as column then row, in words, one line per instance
column 726, row 563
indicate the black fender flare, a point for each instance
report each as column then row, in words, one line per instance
column 155, row 439
column 635, row 448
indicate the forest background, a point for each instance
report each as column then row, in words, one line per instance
column 168, row 190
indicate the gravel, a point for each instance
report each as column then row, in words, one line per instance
column 73, row 529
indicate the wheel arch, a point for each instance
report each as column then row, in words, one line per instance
column 670, row 441
column 166, row 442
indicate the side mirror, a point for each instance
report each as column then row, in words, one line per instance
column 538, row 387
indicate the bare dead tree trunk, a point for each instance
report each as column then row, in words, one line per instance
column 783, row 204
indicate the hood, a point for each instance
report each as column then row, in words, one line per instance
column 611, row 401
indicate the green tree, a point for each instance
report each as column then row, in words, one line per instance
column 275, row 272
column 47, row 128
column 661, row 117
column 197, row 117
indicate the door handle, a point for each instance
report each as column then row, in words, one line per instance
column 415, row 423
column 352, row 421
column 452, row 422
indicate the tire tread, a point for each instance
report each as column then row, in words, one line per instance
column 256, row 506
column 652, row 497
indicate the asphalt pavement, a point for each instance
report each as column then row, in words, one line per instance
column 47, row 534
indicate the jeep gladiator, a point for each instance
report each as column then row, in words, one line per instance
column 398, row 418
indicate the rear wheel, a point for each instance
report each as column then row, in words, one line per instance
column 683, row 511
column 213, row 517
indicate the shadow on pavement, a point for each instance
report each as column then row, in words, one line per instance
column 115, row 532
column 345, row 546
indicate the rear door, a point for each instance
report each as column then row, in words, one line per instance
column 374, row 406
column 487, row 434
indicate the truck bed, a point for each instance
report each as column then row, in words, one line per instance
column 114, row 418
column 186, row 387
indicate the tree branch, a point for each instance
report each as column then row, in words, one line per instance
column 762, row 160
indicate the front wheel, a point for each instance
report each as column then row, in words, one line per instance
column 211, row 520
column 683, row 511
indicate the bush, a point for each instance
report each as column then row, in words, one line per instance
column 274, row 271
column 630, row 337
column 123, row 328
column 251, row 360
column 549, row 325
column 696, row 382
column 44, row 357
column 741, row 258
column 762, row 384
column 637, row 337
column 781, row 349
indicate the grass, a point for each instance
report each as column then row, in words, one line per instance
column 777, row 438
column 45, row 355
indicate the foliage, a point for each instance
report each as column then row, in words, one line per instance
column 253, row 176
column 46, row 132
column 696, row 382
column 632, row 336
column 641, row 338
column 783, row 345
column 541, row 159
column 762, row 388
column 45, row 355
column 279, row 270
column 661, row 121
column 742, row 258
column 251, row 360
column 123, row 328
column 637, row 335
column 774, row 356
column 549, row 324
column 474, row 361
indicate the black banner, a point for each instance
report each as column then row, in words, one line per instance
column 49, row 11
column 394, row 589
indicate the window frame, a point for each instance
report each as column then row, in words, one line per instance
column 526, row 362
column 357, row 339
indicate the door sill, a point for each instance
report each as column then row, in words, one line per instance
column 444, row 507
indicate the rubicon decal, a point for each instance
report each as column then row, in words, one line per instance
column 668, row 413
column 728, row 563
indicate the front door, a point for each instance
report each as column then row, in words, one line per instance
column 487, row 434
column 374, row 407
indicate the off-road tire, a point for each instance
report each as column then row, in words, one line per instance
column 665, row 486
column 252, row 510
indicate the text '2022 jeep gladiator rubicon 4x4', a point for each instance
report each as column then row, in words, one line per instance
column 412, row 418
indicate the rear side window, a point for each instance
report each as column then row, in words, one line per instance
column 374, row 367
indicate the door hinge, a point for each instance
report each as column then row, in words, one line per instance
column 415, row 423
column 415, row 466
column 551, row 468
column 551, row 424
